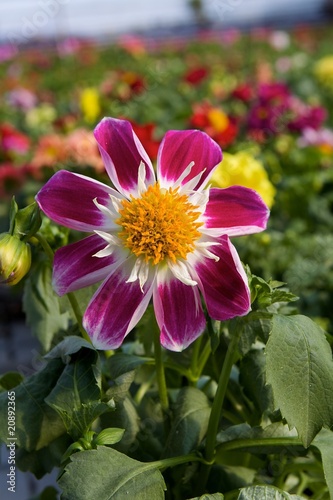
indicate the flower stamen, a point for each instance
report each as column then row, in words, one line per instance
column 160, row 225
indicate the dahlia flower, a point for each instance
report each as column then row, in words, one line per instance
column 165, row 239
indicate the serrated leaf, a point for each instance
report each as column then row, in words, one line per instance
column 324, row 443
column 253, row 380
column 191, row 415
column 42, row 306
column 299, row 368
column 105, row 473
column 76, row 396
column 283, row 296
column 265, row 493
column 37, row 424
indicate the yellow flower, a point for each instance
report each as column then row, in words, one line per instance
column 323, row 71
column 90, row 105
column 242, row 169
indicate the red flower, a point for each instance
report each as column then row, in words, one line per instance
column 215, row 122
column 195, row 76
column 146, row 135
column 243, row 92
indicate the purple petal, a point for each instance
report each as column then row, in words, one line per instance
column 67, row 198
column 75, row 266
column 235, row 211
column 181, row 147
column 178, row 312
column 224, row 284
column 122, row 153
column 115, row 309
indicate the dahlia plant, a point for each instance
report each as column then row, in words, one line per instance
column 169, row 370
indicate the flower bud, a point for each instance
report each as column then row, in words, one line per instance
column 15, row 259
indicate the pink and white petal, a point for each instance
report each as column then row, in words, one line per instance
column 75, row 266
column 178, row 312
column 122, row 153
column 223, row 283
column 235, row 211
column 116, row 308
column 68, row 199
column 178, row 149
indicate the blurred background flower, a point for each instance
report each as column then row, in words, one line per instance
column 242, row 169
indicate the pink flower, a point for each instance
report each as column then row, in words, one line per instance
column 13, row 141
column 167, row 239
column 22, row 98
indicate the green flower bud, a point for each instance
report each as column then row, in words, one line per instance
column 15, row 259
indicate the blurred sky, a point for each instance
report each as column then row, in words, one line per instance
column 28, row 19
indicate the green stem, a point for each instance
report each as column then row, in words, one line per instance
column 160, row 373
column 71, row 297
column 220, row 393
column 203, row 359
column 171, row 462
column 195, row 355
column 216, row 410
column 78, row 315
column 247, row 444
column 45, row 245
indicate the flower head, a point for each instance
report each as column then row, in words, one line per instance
column 165, row 239
column 323, row 71
column 89, row 102
column 215, row 122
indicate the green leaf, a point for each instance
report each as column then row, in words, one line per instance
column 105, row 473
column 324, row 443
column 76, row 396
column 191, row 415
column 37, row 424
column 42, row 305
column 70, row 345
column 299, row 368
column 256, row 325
column 283, row 296
column 253, row 380
column 109, row 436
column 265, row 493
column 125, row 416
column 122, row 363
column 42, row 461
column 10, row 380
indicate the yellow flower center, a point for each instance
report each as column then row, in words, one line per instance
column 161, row 224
